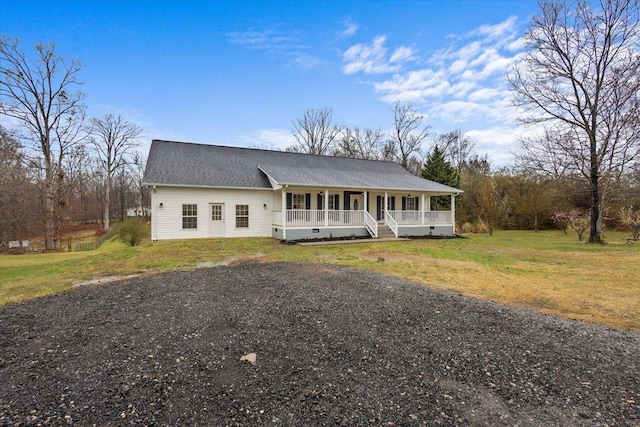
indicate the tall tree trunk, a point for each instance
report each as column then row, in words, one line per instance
column 50, row 235
column 107, row 204
column 595, row 232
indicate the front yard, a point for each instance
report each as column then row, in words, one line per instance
column 547, row 271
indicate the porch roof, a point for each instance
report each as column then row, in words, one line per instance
column 187, row 164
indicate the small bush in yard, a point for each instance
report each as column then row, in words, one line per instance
column 131, row 231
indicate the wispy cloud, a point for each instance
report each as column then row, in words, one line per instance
column 349, row 28
column 374, row 58
column 278, row 44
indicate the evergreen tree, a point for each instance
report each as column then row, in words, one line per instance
column 437, row 168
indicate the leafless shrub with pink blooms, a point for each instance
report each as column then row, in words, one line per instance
column 578, row 220
column 631, row 218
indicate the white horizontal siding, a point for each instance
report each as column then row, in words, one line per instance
column 167, row 220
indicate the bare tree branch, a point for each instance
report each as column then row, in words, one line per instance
column 315, row 133
column 407, row 136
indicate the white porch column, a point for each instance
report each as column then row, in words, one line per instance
column 453, row 212
column 422, row 209
column 364, row 202
column 325, row 199
column 386, row 206
column 284, row 213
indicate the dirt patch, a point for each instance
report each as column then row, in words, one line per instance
column 293, row 344
column 103, row 280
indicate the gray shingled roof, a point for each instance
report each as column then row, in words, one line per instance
column 187, row 164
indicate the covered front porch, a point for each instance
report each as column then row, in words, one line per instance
column 312, row 213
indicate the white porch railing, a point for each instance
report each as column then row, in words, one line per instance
column 438, row 217
column 391, row 222
column 316, row 218
column 371, row 224
column 406, row 217
column 415, row 217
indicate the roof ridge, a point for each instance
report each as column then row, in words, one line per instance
column 271, row 151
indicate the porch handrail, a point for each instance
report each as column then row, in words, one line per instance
column 406, row 217
column 392, row 223
column 438, row 217
column 316, row 218
column 371, row 224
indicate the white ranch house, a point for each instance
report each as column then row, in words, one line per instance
column 200, row 191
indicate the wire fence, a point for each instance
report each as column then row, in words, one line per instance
column 95, row 244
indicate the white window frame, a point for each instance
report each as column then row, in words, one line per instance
column 240, row 215
column 190, row 214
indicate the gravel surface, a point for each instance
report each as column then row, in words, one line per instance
column 321, row 345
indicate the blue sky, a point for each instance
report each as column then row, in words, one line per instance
column 237, row 73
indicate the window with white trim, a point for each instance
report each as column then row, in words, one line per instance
column 189, row 216
column 411, row 203
column 242, row 216
column 298, row 201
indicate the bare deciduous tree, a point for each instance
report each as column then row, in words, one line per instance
column 491, row 203
column 362, row 144
column 407, row 136
column 113, row 140
column 41, row 94
column 456, row 146
column 315, row 132
column 582, row 75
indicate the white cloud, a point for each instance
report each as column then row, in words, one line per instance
column 415, row 86
column 401, row 54
column 373, row 59
column 484, row 94
column 272, row 139
column 464, row 82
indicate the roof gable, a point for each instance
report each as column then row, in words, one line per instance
column 187, row 164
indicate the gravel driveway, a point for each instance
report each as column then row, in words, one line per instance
column 332, row 346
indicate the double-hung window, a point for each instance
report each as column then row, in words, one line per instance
column 411, row 203
column 189, row 216
column 298, row 201
column 242, row 216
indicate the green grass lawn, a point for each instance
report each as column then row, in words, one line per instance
column 548, row 271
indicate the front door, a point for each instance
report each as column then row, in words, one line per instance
column 380, row 208
column 216, row 220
